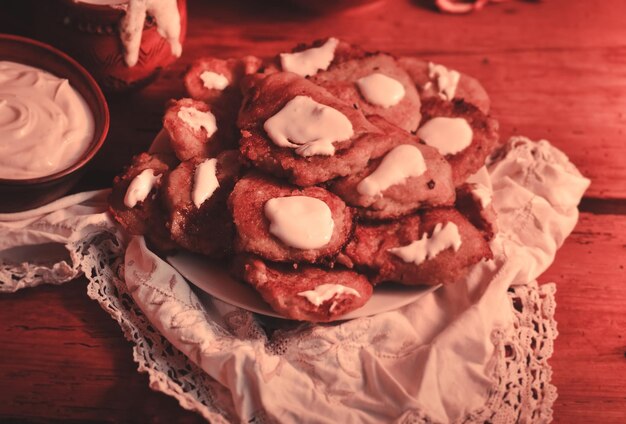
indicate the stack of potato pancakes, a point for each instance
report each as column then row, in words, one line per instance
column 319, row 174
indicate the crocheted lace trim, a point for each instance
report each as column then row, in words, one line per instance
column 521, row 374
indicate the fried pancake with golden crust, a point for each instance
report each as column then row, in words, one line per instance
column 484, row 139
column 267, row 96
column 433, row 188
column 307, row 171
column 224, row 102
column 468, row 88
column 208, row 229
column 341, row 80
column 148, row 216
column 346, row 51
column 369, row 249
column 231, row 69
column 188, row 142
column 483, row 218
column 343, row 52
column 280, row 285
column 247, row 202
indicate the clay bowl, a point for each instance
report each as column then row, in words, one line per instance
column 24, row 194
column 90, row 34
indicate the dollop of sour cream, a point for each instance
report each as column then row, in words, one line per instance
column 204, row 181
column 443, row 237
column 446, row 80
column 308, row 62
column 326, row 292
column 381, row 90
column 397, row 166
column 140, row 187
column 45, row 125
column 309, row 127
column 213, row 80
column 302, row 222
column 448, row 135
column 197, row 119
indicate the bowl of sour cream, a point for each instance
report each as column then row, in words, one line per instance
column 53, row 120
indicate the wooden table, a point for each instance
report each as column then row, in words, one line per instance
column 554, row 69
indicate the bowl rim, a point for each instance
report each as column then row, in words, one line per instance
column 93, row 86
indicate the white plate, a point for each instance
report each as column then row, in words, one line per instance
column 215, row 280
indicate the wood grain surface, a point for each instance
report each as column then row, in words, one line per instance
column 555, row 69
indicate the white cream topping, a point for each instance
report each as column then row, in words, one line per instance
column 443, row 237
column 164, row 12
column 307, row 62
column 381, row 90
column 446, row 80
column 448, row 135
column 400, row 163
column 309, row 127
column 140, row 187
column 204, row 181
column 197, row 119
column 300, row 221
column 482, row 194
column 213, row 80
column 325, row 292
column 45, row 125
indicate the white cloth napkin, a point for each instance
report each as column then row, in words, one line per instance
column 37, row 246
column 460, row 354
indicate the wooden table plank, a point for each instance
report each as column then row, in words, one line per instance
column 557, row 80
column 243, row 26
column 63, row 357
column 589, row 361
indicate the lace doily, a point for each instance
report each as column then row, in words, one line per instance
column 45, row 233
column 477, row 352
column 17, row 276
column 521, row 393
column 169, row 370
